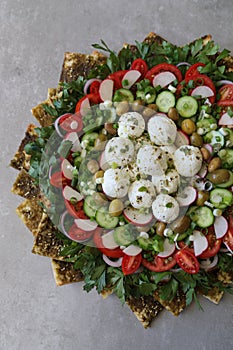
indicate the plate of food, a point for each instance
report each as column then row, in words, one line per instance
column 128, row 180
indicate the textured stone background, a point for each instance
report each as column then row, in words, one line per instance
column 34, row 313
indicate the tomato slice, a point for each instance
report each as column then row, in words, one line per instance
column 183, row 245
column 117, row 78
column 66, row 122
column 159, row 264
column 56, row 179
column 226, row 92
column 163, row 67
column 130, row 264
column 94, row 87
column 228, row 238
column 225, row 103
column 76, row 210
column 203, row 79
column 187, row 261
column 76, row 234
column 140, row 65
column 94, row 99
column 214, row 244
column 193, row 71
column 111, row 253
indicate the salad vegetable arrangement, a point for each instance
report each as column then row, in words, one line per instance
column 137, row 169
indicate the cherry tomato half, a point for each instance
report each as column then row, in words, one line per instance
column 163, row 67
column 130, row 264
column 71, row 122
column 94, row 87
column 159, row 264
column 203, row 79
column 193, row 71
column 77, row 234
column 214, row 244
column 140, row 65
column 111, row 253
column 187, row 261
column 56, row 179
column 228, row 238
column 76, row 210
column 117, row 78
column 94, row 99
column 226, row 92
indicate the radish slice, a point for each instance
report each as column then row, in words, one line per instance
column 181, row 139
column 106, row 90
column 88, row 83
column 103, row 164
column 109, row 241
column 67, row 169
column 225, row 120
column 220, row 226
column 207, row 264
column 187, row 196
column 168, row 249
column 209, row 148
column 56, row 125
column 200, row 243
column 62, row 219
column 136, row 217
column 203, row 91
column 163, row 79
column 85, row 106
column 116, row 263
column 69, row 193
column 86, row 224
column 203, row 171
column 183, row 64
column 73, row 137
column 132, row 250
column 223, row 82
column 130, row 78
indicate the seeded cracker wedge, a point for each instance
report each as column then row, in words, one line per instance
column 46, row 241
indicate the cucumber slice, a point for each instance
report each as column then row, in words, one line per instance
column 228, row 183
column 221, row 198
column 187, row 106
column 165, row 100
column 215, row 138
column 90, row 207
column 202, row 216
column 123, row 236
column 105, row 220
column 123, row 95
column 91, row 137
column 226, row 156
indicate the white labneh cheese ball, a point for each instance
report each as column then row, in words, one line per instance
column 116, row 183
column 165, row 208
column 188, row 160
column 119, row 151
column 141, row 194
column 131, row 124
column 151, row 160
column 162, row 130
column 168, row 182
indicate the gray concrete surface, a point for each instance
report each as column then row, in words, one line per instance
column 34, row 313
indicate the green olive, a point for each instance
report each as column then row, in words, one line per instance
column 100, row 142
column 196, row 140
column 116, row 207
column 219, row 176
column 99, row 199
column 160, row 227
column 181, row 224
column 214, row 164
column 188, row 126
column 93, row 166
column 99, row 174
column 122, row 107
column 173, row 114
column 202, row 197
column 150, row 110
column 137, row 106
column 110, row 129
